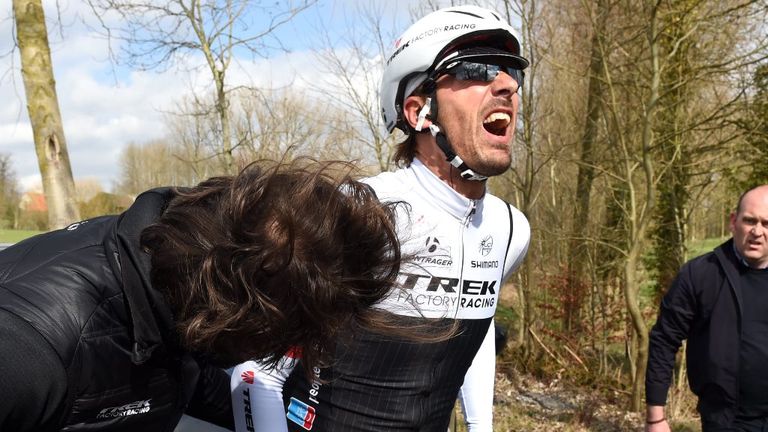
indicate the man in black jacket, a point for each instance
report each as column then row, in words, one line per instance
column 719, row 302
column 122, row 323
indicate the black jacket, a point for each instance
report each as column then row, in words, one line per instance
column 86, row 343
column 703, row 305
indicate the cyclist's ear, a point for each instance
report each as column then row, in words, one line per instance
column 412, row 106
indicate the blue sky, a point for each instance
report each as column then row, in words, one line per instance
column 104, row 107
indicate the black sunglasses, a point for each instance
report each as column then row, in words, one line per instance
column 470, row 71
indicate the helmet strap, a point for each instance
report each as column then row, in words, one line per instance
column 429, row 111
column 423, row 113
column 465, row 171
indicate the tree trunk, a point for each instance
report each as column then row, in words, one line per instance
column 577, row 258
column 631, row 290
column 670, row 230
column 44, row 115
column 222, row 108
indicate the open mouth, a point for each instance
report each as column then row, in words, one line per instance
column 497, row 123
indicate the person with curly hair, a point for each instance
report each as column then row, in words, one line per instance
column 124, row 322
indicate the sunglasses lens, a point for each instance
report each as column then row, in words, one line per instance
column 468, row 71
column 476, row 72
column 517, row 75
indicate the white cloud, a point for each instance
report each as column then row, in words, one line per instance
column 105, row 107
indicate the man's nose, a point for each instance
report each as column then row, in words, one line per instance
column 757, row 230
column 505, row 85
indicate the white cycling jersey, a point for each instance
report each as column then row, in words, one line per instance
column 461, row 252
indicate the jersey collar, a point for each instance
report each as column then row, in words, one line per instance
column 441, row 194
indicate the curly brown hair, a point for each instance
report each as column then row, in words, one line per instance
column 278, row 258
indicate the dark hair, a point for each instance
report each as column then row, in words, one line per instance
column 278, row 258
column 405, row 150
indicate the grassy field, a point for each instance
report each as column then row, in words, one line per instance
column 13, row 236
column 700, row 247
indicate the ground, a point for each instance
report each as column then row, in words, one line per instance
column 525, row 404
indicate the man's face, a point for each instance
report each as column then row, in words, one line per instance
column 750, row 227
column 479, row 120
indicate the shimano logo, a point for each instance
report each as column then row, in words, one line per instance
column 247, row 408
column 484, row 264
column 133, row 408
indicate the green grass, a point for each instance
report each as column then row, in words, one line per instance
column 506, row 314
column 13, row 236
column 700, row 247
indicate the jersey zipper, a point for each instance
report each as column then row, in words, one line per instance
column 470, row 212
column 462, row 231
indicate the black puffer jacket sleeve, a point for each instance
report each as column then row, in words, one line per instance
column 32, row 379
column 212, row 400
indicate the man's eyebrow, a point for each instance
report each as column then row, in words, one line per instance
column 752, row 218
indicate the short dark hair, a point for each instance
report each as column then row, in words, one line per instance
column 278, row 258
column 405, row 150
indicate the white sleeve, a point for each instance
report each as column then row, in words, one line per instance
column 257, row 396
column 476, row 394
column 518, row 246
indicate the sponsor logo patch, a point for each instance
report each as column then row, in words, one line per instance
column 247, row 376
column 133, row 408
column 486, row 245
column 76, row 225
column 435, row 253
column 247, row 408
column 301, row 414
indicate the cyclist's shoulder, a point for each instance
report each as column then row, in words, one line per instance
column 389, row 184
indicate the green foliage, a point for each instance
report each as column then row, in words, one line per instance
column 33, row 220
column 506, row 315
column 7, row 214
column 14, row 236
column 9, row 194
column 104, row 203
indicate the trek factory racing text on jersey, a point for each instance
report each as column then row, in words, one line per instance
column 462, row 251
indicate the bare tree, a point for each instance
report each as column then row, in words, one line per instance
column 354, row 73
column 578, row 251
column 278, row 123
column 156, row 163
column 44, row 115
column 531, row 155
column 159, row 32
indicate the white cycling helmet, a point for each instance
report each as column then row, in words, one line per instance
column 438, row 38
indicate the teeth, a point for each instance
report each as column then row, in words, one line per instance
column 497, row 116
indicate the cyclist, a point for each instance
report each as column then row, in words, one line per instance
column 451, row 84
